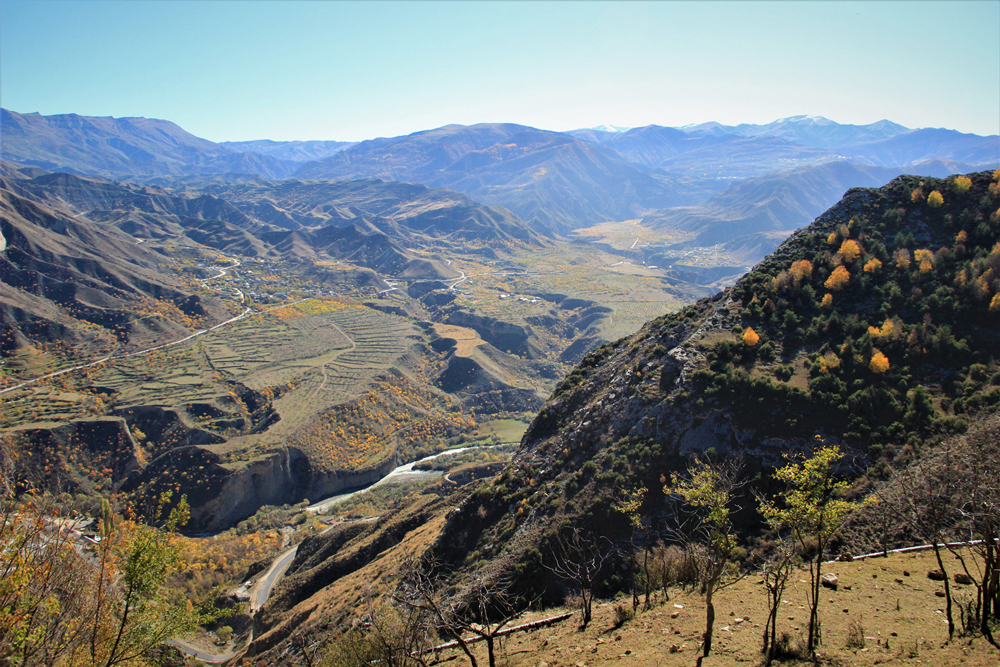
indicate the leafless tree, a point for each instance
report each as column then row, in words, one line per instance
column 980, row 462
column 776, row 572
column 931, row 490
column 481, row 606
column 579, row 560
column 388, row 633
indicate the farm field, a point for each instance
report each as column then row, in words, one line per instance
column 634, row 293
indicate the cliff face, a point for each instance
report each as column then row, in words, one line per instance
column 222, row 495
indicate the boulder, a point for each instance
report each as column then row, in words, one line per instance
column 936, row 575
column 962, row 578
column 829, row 580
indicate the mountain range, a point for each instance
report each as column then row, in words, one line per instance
column 552, row 180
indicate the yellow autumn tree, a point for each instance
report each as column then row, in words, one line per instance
column 879, row 362
column 902, row 257
column 838, row 279
column 827, row 300
column 925, row 258
column 917, row 196
column 873, row 265
column 849, row 250
column 750, row 337
column 801, row 270
column 832, row 238
column 828, row 362
column 961, row 184
column 961, row 237
column 995, row 303
column 935, row 199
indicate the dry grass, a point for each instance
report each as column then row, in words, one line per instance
column 914, row 634
column 466, row 340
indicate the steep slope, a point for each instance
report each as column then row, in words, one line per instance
column 70, row 283
column 876, row 327
column 544, row 177
column 122, row 147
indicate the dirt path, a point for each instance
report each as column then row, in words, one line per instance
column 322, row 366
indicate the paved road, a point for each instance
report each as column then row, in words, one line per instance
column 262, row 589
column 204, row 656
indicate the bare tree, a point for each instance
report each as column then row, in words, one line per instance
column 776, row 571
column 578, row 562
column 980, row 458
column 389, row 633
column 482, row 606
column 931, row 491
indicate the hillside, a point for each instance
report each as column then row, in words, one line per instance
column 122, row 147
column 880, row 359
column 544, row 177
column 862, row 336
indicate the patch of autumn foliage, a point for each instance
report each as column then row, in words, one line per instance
column 393, row 415
column 208, row 562
column 879, row 362
column 838, row 280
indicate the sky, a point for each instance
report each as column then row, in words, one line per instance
column 234, row 70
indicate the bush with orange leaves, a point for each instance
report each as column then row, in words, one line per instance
column 750, row 337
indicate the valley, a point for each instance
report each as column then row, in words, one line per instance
column 273, row 334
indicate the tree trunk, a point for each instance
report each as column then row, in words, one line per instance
column 947, row 591
column 814, row 603
column 709, row 620
column 489, row 650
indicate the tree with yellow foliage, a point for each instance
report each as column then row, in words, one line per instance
column 838, row 280
column 935, row 199
column 902, row 257
column 961, row 184
column 925, row 258
column 873, row 265
column 750, row 337
column 801, row 270
column 827, row 300
column 879, row 362
column 849, row 250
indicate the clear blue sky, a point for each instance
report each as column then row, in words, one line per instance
column 234, row 70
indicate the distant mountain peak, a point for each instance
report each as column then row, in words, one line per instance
column 609, row 128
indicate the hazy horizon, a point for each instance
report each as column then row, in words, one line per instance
column 346, row 71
